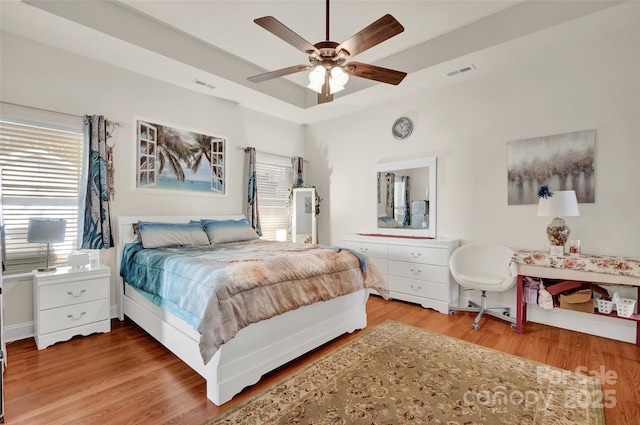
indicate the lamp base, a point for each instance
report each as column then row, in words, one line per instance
column 558, row 232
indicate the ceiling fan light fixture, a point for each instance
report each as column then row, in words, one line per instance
column 327, row 58
column 316, row 78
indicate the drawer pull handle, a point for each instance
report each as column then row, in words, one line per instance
column 82, row 291
column 416, row 271
column 364, row 249
column 416, row 288
column 414, row 255
column 71, row 316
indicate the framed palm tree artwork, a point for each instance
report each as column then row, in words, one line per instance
column 170, row 158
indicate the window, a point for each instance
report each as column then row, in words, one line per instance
column 274, row 180
column 40, row 178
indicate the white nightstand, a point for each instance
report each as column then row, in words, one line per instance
column 69, row 302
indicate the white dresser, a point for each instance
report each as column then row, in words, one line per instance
column 417, row 269
column 69, row 302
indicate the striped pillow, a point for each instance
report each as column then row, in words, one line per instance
column 222, row 231
column 158, row 234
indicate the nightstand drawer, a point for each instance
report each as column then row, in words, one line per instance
column 52, row 296
column 417, row 254
column 419, row 271
column 57, row 319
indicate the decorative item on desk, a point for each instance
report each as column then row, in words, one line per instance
column 78, row 259
column 46, row 230
column 574, row 247
column 557, row 204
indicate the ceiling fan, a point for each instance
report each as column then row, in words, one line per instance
column 328, row 58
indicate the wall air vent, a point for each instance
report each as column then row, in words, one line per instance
column 204, row 84
column 461, row 70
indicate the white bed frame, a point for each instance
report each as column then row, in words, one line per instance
column 256, row 349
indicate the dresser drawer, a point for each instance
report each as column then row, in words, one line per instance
column 417, row 254
column 52, row 296
column 57, row 319
column 373, row 250
column 438, row 274
column 419, row 288
column 381, row 264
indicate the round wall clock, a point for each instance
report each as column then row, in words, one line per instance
column 402, row 128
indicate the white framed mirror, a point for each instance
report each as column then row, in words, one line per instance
column 404, row 197
column 304, row 228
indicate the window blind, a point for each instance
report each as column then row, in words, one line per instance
column 273, row 181
column 40, row 178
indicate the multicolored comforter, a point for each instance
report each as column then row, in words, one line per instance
column 220, row 289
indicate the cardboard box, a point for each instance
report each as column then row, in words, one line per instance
column 579, row 301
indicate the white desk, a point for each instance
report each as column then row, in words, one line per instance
column 588, row 268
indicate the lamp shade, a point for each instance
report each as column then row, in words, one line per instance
column 46, row 230
column 561, row 203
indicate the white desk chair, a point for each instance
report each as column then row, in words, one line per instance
column 484, row 267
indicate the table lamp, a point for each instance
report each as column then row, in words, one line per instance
column 46, row 230
column 560, row 203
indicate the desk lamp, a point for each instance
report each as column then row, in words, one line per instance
column 46, row 230
column 557, row 204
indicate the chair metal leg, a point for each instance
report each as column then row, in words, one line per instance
column 504, row 313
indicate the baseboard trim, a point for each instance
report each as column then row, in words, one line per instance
column 19, row 331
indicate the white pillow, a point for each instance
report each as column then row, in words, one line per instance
column 158, row 234
column 222, row 231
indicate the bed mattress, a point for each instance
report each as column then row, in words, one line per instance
column 220, row 289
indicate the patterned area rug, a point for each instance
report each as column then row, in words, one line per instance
column 399, row 374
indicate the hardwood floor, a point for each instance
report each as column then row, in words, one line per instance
column 126, row 377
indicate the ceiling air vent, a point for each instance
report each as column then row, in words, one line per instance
column 204, row 84
column 461, row 70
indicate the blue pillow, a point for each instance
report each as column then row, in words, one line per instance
column 222, row 231
column 158, row 234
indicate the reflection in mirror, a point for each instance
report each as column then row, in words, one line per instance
column 304, row 228
column 405, row 197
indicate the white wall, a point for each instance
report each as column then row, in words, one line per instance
column 37, row 75
column 467, row 127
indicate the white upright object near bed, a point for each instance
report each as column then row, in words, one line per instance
column 304, row 225
column 256, row 349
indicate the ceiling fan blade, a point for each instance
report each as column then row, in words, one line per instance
column 280, row 30
column 379, row 31
column 377, row 73
column 278, row 73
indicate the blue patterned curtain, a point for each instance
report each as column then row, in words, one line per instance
column 94, row 214
column 251, row 210
column 297, row 166
column 407, row 200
